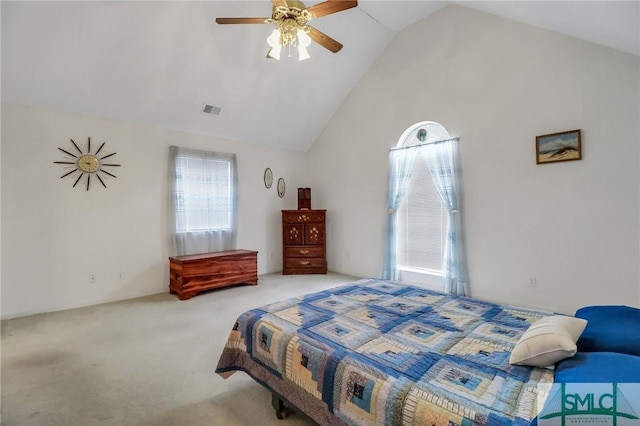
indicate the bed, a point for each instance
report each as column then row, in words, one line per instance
column 378, row 352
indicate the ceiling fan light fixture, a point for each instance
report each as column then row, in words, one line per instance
column 303, row 38
column 274, row 41
column 304, row 41
column 289, row 34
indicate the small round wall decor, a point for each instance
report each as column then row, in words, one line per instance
column 268, row 177
column 280, row 187
column 86, row 163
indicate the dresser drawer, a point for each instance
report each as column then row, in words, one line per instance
column 304, row 216
column 304, row 252
column 304, row 262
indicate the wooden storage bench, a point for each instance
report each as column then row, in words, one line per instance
column 189, row 275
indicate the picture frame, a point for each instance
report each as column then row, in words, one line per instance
column 561, row 146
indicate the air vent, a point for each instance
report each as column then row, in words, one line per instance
column 210, row 109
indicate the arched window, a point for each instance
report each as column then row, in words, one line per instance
column 422, row 218
column 415, row 239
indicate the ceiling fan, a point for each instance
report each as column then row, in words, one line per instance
column 291, row 17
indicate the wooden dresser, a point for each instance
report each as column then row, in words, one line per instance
column 189, row 275
column 304, row 242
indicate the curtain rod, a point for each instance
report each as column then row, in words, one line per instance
column 423, row 144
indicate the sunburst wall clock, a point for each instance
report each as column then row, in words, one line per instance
column 86, row 163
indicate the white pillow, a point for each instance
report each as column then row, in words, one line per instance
column 547, row 341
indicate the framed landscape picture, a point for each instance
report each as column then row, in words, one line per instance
column 554, row 147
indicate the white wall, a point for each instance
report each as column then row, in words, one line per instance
column 497, row 84
column 54, row 236
column 494, row 83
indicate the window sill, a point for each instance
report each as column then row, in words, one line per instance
column 426, row 278
column 203, row 231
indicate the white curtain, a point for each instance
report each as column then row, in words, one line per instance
column 400, row 165
column 203, row 201
column 442, row 162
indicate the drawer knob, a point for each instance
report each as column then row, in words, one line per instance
column 304, row 262
column 304, row 251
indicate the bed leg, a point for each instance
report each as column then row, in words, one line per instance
column 278, row 405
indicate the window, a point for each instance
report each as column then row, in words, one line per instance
column 422, row 218
column 418, row 219
column 203, row 200
column 424, row 228
column 204, row 192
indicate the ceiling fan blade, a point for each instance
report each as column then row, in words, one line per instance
column 330, row 6
column 277, row 3
column 241, row 20
column 324, row 40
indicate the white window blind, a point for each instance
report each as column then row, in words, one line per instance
column 204, row 193
column 422, row 224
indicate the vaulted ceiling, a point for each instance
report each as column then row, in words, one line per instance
column 159, row 63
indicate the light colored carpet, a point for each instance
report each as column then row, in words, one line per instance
column 147, row 361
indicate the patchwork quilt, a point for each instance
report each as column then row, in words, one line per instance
column 375, row 352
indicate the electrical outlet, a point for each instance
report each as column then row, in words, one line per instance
column 92, row 278
column 121, row 276
column 533, row 282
